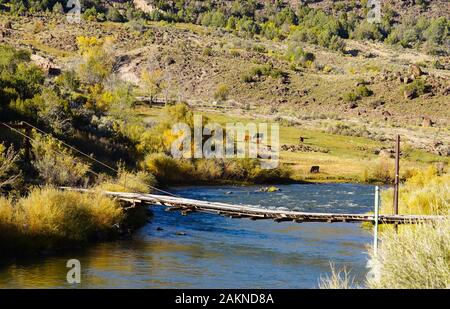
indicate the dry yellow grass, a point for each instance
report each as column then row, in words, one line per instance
column 140, row 182
column 424, row 193
column 49, row 218
column 338, row 280
column 415, row 258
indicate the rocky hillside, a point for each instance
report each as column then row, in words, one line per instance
column 367, row 82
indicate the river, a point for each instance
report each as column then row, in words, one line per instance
column 209, row 251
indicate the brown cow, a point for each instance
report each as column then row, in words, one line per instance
column 315, row 169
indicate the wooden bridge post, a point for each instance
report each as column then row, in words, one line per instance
column 375, row 229
column 397, row 175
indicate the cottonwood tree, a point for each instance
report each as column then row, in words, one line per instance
column 96, row 60
column 152, row 83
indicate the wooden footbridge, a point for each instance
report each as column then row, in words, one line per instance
column 186, row 206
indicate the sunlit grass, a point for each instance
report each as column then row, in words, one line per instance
column 49, row 218
column 424, row 193
column 349, row 158
column 337, row 280
column 416, row 258
column 140, row 182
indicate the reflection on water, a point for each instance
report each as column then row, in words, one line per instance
column 218, row 252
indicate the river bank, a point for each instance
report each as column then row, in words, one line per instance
column 49, row 220
column 204, row 250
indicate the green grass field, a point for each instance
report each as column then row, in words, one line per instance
column 349, row 158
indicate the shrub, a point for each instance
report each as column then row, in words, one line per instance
column 412, row 32
column 348, row 130
column 55, row 164
column 350, row 97
column 49, row 218
column 367, row 31
column 114, row 15
column 90, row 14
column 316, row 27
column 160, row 137
column 53, row 110
column 337, row 280
column 208, row 169
column 207, row 51
column 68, row 80
column 9, row 227
column 167, row 169
column 58, row 8
column 259, row 71
column 438, row 31
column 222, row 93
column 363, row 91
column 297, row 55
column 153, row 83
column 246, row 77
column 382, row 171
column 423, row 193
column 19, row 78
column 9, row 173
column 214, row 19
column 416, row 257
column 248, row 26
column 126, row 181
column 418, row 87
column 259, row 49
column 249, row 170
column 270, row 30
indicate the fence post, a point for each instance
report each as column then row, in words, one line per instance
column 375, row 229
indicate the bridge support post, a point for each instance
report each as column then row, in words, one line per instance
column 375, row 229
column 397, row 176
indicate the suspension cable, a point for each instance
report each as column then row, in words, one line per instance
column 82, row 153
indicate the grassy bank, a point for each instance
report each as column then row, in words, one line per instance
column 417, row 256
column 49, row 219
column 341, row 158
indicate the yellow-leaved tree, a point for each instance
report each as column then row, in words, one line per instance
column 96, row 60
column 152, row 83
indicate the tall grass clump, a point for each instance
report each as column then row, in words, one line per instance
column 126, row 181
column 8, row 226
column 167, row 169
column 49, row 219
column 338, row 279
column 382, row 171
column 415, row 258
column 424, row 193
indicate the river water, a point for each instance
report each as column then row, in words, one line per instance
column 210, row 251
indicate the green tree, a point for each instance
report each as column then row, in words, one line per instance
column 114, row 15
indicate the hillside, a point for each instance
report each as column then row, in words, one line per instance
column 315, row 74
